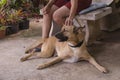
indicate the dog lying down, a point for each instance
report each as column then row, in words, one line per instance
column 70, row 47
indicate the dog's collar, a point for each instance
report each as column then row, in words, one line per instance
column 78, row 45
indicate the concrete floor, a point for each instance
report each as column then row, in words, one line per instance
column 106, row 52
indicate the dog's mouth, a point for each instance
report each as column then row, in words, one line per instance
column 61, row 37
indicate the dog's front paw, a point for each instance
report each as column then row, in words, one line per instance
column 28, row 51
column 103, row 70
column 23, row 59
column 40, row 67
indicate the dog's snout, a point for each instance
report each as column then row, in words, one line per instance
column 58, row 35
column 61, row 36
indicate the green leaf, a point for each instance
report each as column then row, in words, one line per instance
column 2, row 27
column 3, row 2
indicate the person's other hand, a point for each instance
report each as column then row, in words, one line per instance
column 68, row 21
column 46, row 10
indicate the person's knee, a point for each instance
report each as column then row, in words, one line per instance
column 57, row 18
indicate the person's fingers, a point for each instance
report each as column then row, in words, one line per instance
column 65, row 22
column 45, row 12
column 69, row 22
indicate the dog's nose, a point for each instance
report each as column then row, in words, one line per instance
column 58, row 35
column 61, row 37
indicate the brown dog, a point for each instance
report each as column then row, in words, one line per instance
column 70, row 46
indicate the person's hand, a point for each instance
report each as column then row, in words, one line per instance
column 69, row 21
column 46, row 10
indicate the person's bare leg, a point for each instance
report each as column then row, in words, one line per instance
column 60, row 15
column 47, row 19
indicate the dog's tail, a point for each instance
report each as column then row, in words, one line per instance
column 52, row 62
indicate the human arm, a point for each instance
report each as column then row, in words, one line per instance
column 50, row 3
column 47, row 8
column 74, row 4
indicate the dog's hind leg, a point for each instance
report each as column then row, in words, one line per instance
column 91, row 60
column 42, row 54
column 52, row 62
column 47, row 50
column 34, row 45
column 28, row 56
column 45, row 54
column 98, row 66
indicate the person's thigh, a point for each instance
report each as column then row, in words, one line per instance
column 53, row 9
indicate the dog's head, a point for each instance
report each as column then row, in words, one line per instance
column 70, row 33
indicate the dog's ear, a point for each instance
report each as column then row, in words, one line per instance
column 78, row 29
column 75, row 30
column 82, row 29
